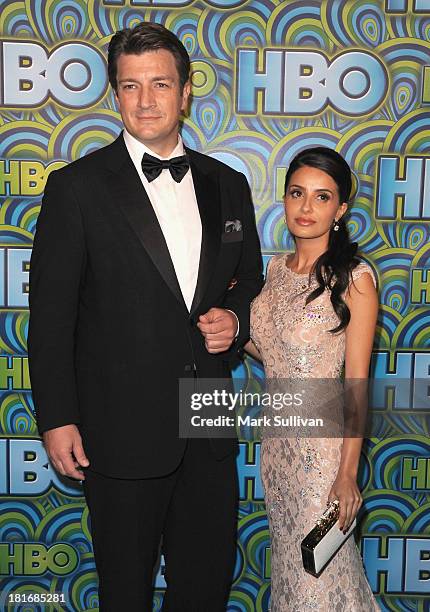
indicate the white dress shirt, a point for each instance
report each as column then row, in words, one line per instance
column 175, row 205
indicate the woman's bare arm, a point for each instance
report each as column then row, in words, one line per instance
column 362, row 301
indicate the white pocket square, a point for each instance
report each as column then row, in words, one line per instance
column 233, row 226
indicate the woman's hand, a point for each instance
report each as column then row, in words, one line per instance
column 345, row 489
column 252, row 350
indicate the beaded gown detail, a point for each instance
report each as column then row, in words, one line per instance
column 297, row 473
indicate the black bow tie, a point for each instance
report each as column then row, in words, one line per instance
column 152, row 167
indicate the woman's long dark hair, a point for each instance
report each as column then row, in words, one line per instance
column 334, row 267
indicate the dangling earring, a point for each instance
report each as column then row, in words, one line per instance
column 335, row 225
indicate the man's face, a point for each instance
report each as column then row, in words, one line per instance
column 150, row 100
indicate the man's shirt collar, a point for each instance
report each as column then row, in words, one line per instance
column 137, row 149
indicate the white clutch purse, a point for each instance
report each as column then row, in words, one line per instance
column 324, row 540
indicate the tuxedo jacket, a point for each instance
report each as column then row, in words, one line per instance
column 110, row 334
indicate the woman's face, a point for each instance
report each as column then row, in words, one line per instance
column 312, row 203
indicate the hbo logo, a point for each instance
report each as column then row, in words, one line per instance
column 34, row 559
column 306, row 82
column 73, row 74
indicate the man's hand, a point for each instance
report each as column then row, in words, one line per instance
column 65, row 450
column 218, row 327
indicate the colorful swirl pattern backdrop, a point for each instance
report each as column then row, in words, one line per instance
column 269, row 79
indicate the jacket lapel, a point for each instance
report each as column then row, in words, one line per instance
column 207, row 194
column 131, row 197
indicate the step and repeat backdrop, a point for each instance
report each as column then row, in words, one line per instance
column 269, row 79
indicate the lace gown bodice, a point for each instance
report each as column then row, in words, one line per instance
column 301, row 345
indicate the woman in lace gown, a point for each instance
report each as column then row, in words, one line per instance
column 297, row 333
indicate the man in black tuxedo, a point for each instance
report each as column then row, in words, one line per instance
column 142, row 273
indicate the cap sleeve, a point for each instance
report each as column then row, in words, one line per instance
column 363, row 268
column 272, row 265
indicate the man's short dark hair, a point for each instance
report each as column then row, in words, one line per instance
column 144, row 37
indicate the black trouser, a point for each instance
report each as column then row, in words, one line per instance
column 194, row 509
